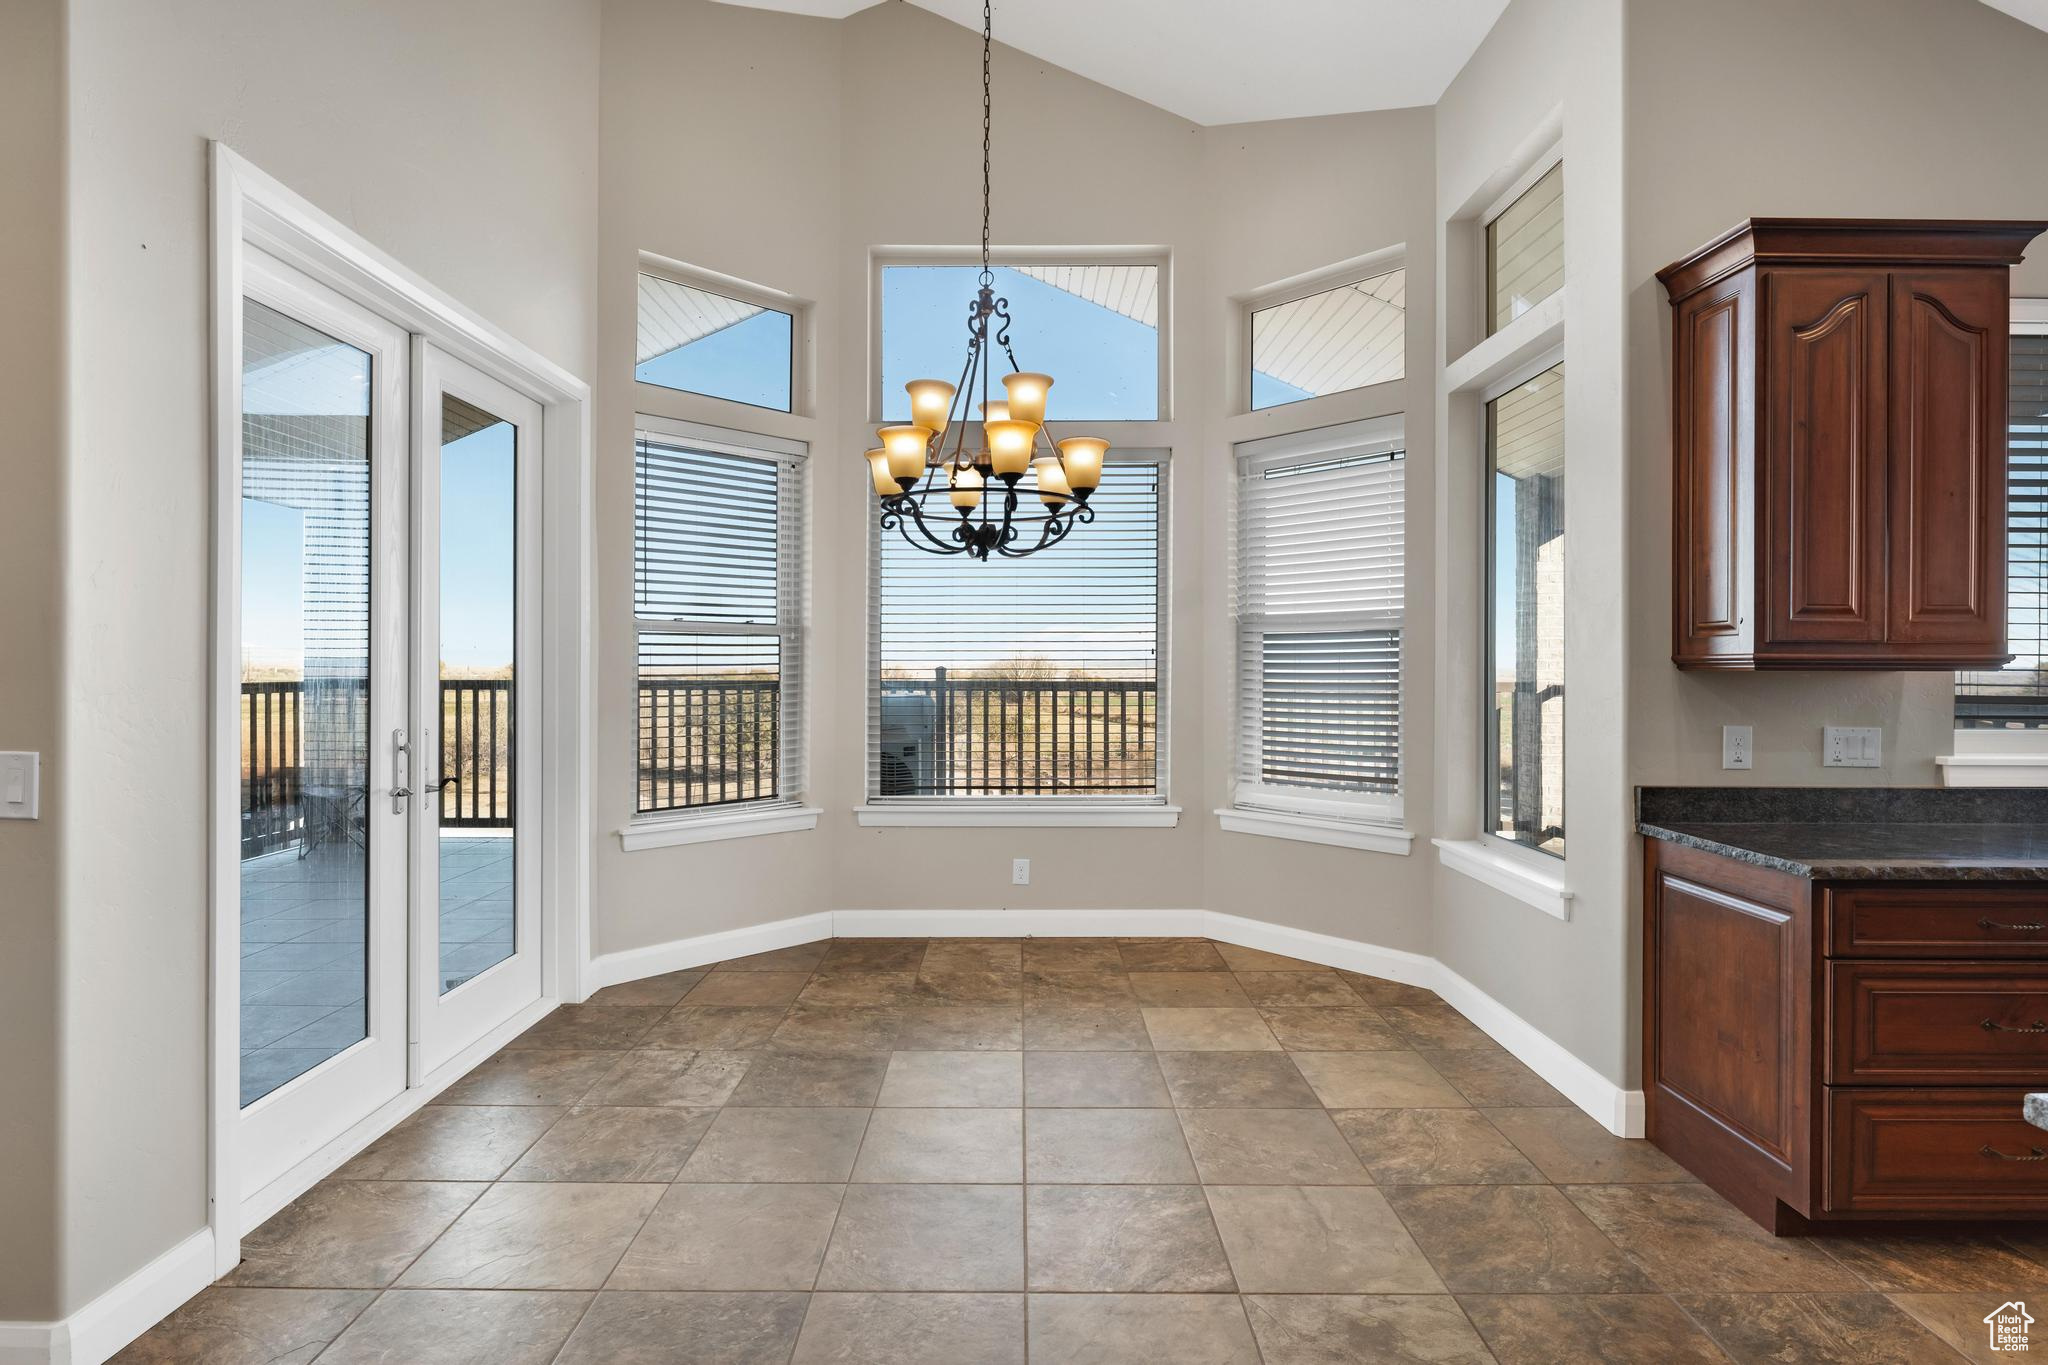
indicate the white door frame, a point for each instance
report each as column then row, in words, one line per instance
column 251, row 208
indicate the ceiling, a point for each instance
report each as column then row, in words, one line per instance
column 1233, row 61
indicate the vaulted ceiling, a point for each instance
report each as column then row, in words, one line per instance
column 1232, row 61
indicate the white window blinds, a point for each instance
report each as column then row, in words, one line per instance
column 2016, row 697
column 1024, row 678
column 1319, row 610
column 718, row 558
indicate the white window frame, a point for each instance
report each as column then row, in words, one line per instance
column 1150, row 810
column 802, row 360
column 787, row 811
column 2002, row 758
column 1354, row 271
column 883, row 257
column 1363, row 820
column 1549, row 160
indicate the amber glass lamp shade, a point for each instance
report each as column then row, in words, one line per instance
column 906, row 447
column 967, row 485
column 1027, row 395
column 878, row 467
column 1053, row 489
column 1009, row 446
column 995, row 410
column 1082, row 457
column 931, row 403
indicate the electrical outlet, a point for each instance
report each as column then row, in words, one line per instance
column 1736, row 746
column 1852, row 746
column 1020, row 872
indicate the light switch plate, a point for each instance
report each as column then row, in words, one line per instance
column 20, row 786
column 1852, row 746
column 1737, row 746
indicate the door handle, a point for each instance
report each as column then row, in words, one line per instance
column 400, row 790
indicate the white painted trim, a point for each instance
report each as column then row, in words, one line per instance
column 1510, row 351
column 1316, row 829
column 100, row 1329
column 1524, row 182
column 1619, row 1111
column 1507, row 874
column 1369, row 436
column 634, row 964
column 1018, row 923
column 1351, row 955
column 262, row 1204
column 2030, row 317
column 1053, row 814
column 704, row 829
column 1993, row 770
column 720, row 440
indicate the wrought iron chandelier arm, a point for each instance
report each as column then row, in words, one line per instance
column 901, row 512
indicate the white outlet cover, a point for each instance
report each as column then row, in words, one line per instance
column 1020, row 872
column 1738, row 747
column 1852, row 746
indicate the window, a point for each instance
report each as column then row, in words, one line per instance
column 1336, row 339
column 698, row 341
column 1319, row 612
column 1032, row 677
column 718, row 602
column 1525, row 251
column 2015, row 698
column 1525, row 626
column 1095, row 328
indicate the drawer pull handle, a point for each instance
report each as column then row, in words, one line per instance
column 1988, row 1150
column 2026, row 928
column 1993, row 1026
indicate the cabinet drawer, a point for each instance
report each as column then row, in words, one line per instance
column 1947, row 1023
column 1947, row 1153
column 1940, row 919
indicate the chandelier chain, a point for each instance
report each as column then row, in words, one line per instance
column 987, row 40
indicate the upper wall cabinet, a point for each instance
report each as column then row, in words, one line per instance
column 1838, row 427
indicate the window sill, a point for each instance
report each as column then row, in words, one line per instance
column 1316, row 829
column 704, row 829
column 1505, row 874
column 1994, row 770
column 1062, row 815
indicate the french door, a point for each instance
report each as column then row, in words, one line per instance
column 386, row 550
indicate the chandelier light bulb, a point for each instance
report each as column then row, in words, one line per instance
column 1082, row 457
column 1027, row 395
column 967, row 485
column 1053, row 489
column 1009, row 446
column 906, row 446
column 931, row 403
column 878, row 468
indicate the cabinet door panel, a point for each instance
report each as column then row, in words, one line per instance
column 1947, row 445
column 1824, row 538
column 1714, row 513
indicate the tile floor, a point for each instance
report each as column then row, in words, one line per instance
column 1073, row 1150
column 303, row 947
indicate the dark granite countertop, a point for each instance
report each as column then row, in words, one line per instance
column 1859, row 834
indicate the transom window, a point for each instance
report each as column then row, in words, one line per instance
column 1346, row 336
column 1525, row 443
column 1025, row 678
column 1320, row 611
column 1525, row 250
column 1096, row 326
column 698, row 341
column 718, row 605
column 2015, row 698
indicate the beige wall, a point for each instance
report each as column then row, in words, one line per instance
column 824, row 172
column 462, row 139
column 1568, row 978
column 1854, row 108
column 31, row 661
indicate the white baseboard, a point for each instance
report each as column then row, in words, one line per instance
column 1391, row 964
column 1619, row 1111
column 1018, row 923
column 634, row 964
column 95, row 1332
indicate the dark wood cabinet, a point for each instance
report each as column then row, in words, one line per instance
column 1838, row 434
column 1836, row 1053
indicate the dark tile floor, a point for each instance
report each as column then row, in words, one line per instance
column 1084, row 1150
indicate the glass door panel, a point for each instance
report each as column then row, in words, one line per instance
column 477, row 958
column 322, row 550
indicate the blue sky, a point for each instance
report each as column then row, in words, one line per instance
column 748, row 362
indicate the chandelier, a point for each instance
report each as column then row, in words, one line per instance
column 912, row 466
